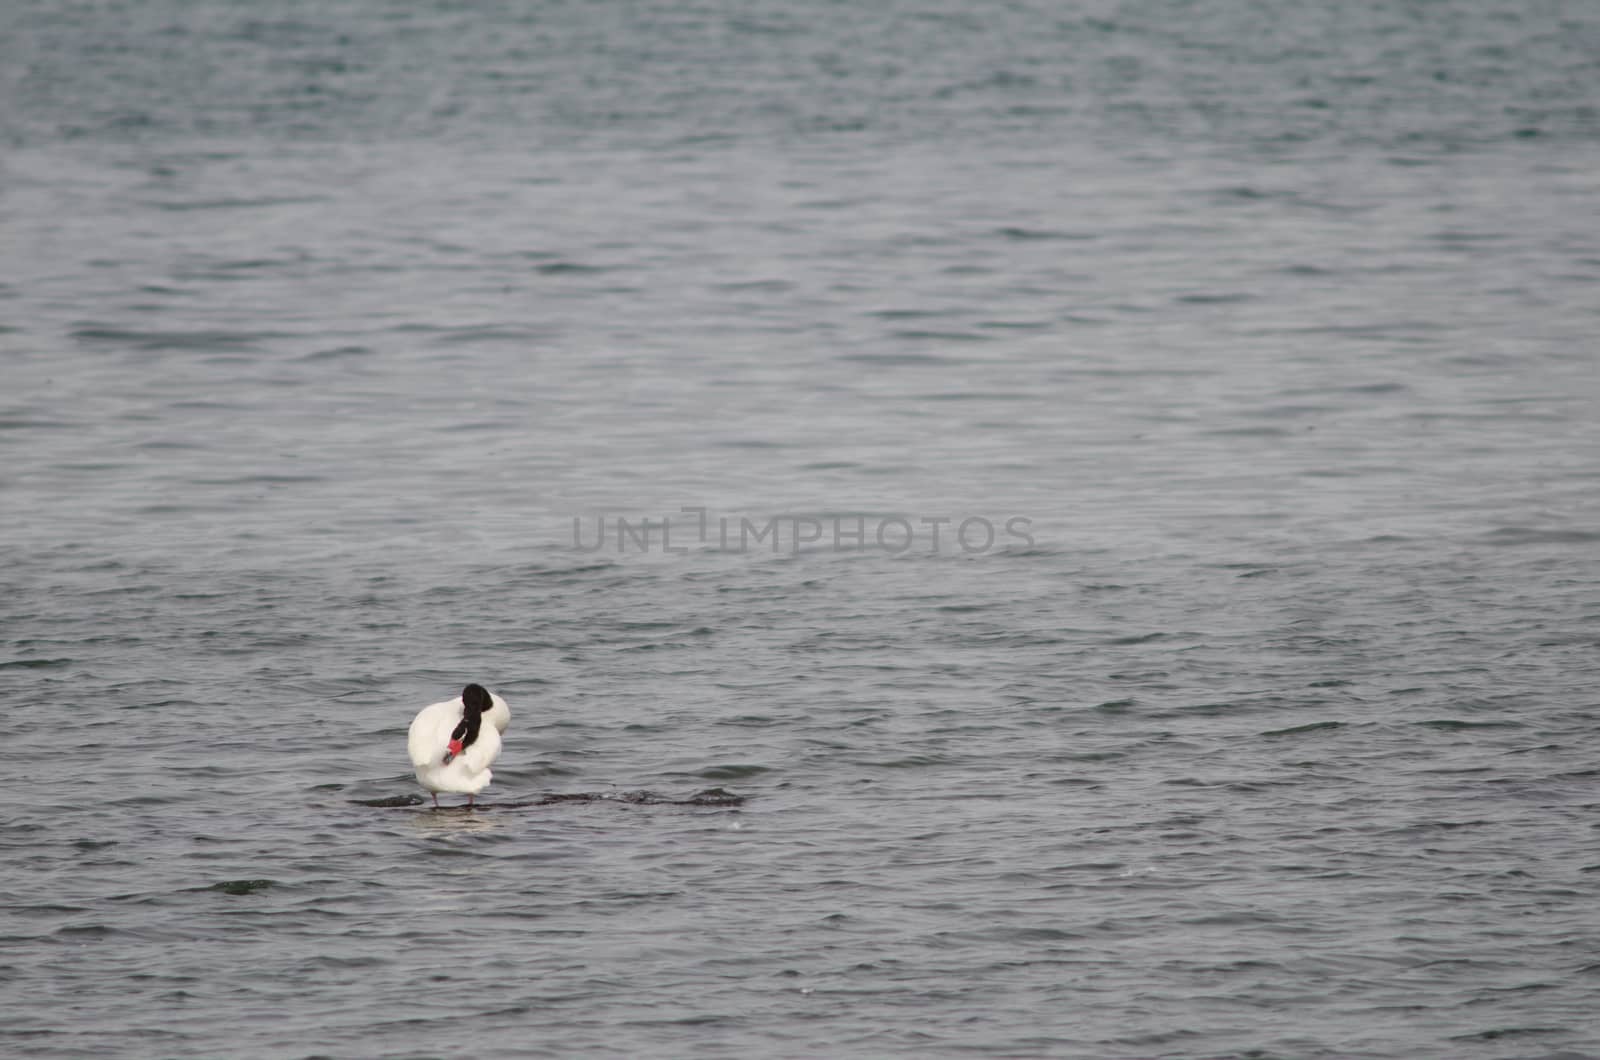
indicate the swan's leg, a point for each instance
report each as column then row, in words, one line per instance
column 435, row 800
column 469, row 801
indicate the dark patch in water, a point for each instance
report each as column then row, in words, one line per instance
column 733, row 772
column 94, row 844
column 241, row 886
column 706, row 797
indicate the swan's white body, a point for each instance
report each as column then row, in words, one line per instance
column 468, row 772
column 500, row 714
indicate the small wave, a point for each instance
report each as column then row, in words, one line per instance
column 238, row 204
column 1300, row 730
column 910, row 762
column 976, row 395
column 763, row 286
column 1028, row 235
column 204, row 339
column 896, row 359
column 910, row 314
column 570, row 268
column 1496, row 1033
column 486, row 333
column 1523, row 535
column 1249, row 432
column 1214, row 298
column 256, row 480
column 337, row 353
column 34, row 664
column 22, row 424
column 919, row 335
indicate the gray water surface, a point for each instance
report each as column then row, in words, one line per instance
column 332, row 334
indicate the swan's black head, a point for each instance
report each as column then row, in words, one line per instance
column 474, row 697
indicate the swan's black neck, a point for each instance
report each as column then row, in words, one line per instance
column 466, row 729
column 474, row 701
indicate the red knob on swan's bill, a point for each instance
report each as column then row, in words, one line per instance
column 454, row 749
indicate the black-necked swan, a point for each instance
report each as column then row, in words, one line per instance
column 450, row 746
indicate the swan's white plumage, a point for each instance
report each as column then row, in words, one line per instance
column 500, row 714
column 429, row 738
